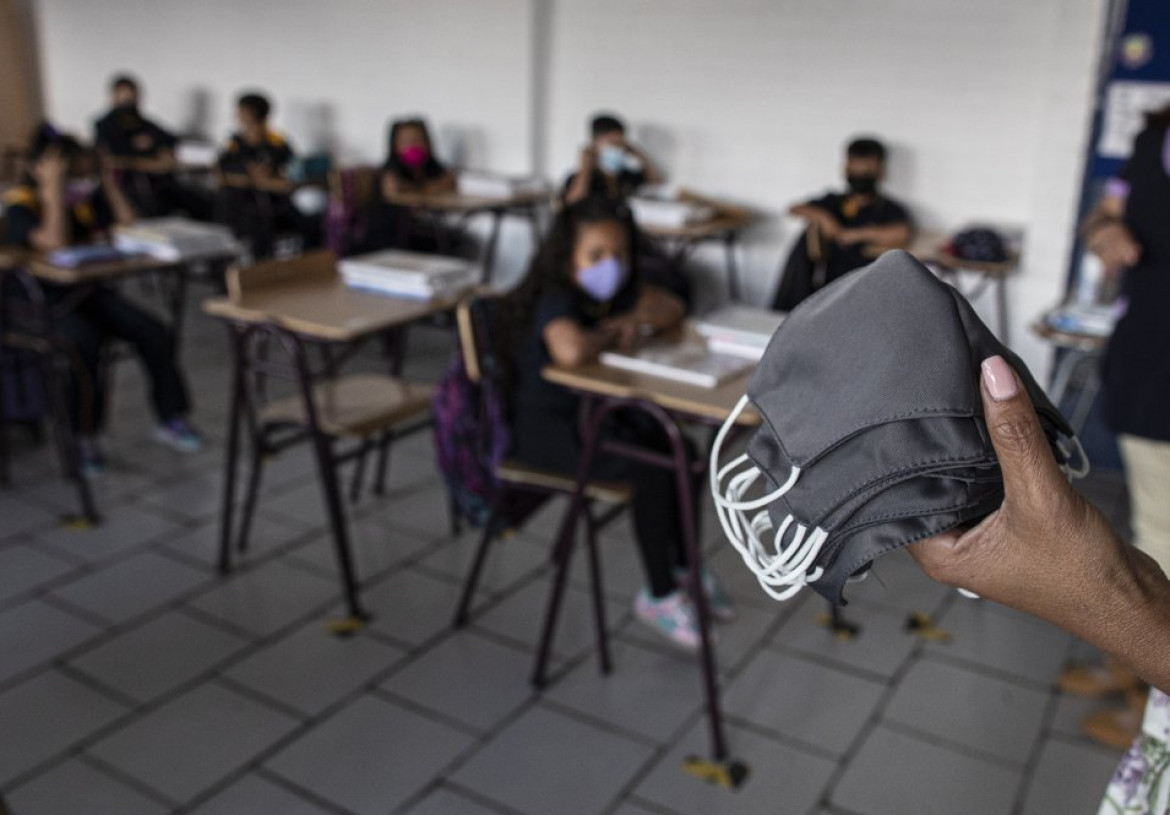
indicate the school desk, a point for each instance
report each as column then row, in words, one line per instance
column 465, row 207
column 725, row 226
column 1079, row 349
column 603, row 390
column 302, row 304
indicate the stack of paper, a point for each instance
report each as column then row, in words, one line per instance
column 689, row 362
column 176, row 239
column 196, row 153
column 489, row 185
column 1093, row 321
column 668, row 214
column 73, row 256
column 742, row 331
column 410, row 275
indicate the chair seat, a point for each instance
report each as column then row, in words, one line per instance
column 355, row 404
column 609, row 492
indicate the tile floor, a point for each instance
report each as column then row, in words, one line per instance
column 135, row 680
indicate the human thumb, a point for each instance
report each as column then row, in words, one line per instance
column 1024, row 455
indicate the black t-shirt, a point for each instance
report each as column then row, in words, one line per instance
column 614, row 188
column 274, row 153
column 126, row 132
column 533, row 391
column 88, row 217
column 853, row 212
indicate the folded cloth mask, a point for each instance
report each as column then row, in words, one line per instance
column 871, row 434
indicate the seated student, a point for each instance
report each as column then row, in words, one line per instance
column 846, row 230
column 584, row 294
column 256, row 200
column 125, row 133
column 610, row 166
column 411, row 166
column 55, row 208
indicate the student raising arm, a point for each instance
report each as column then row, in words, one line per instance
column 610, row 165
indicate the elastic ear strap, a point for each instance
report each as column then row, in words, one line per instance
column 1078, row 454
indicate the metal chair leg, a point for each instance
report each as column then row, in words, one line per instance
column 595, row 585
column 463, row 611
column 253, row 493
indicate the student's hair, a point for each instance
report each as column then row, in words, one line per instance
column 866, row 147
column 604, row 123
column 124, row 81
column 432, row 168
column 256, row 104
column 1158, row 118
column 44, row 137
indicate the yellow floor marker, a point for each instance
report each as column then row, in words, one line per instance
column 730, row 774
column 921, row 625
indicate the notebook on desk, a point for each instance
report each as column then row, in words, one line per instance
column 739, row 330
column 71, row 257
column 411, row 275
column 1090, row 320
column 691, row 362
column 667, row 213
column 176, row 239
column 476, row 184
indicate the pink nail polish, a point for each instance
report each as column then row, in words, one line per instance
column 999, row 379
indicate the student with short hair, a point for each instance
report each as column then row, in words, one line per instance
column 257, row 159
column 846, row 230
column 610, row 166
column 54, row 208
column 123, row 132
column 583, row 294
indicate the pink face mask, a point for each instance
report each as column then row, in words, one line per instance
column 414, row 155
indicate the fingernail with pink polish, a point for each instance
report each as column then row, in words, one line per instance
column 999, row 379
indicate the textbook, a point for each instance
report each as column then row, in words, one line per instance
column 667, row 213
column 476, row 184
column 739, row 330
column 690, row 362
column 73, row 256
column 176, row 239
column 1093, row 321
column 411, row 275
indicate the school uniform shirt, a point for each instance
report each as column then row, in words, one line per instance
column 273, row 152
column 615, row 188
column 534, row 393
column 126, row 132
column 88, row 216
column 1136, row 372
column 852, row 212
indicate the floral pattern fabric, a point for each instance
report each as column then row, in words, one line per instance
column 1141, row 785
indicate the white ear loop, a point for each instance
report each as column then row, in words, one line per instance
column 1082, row 469
column 781, row 571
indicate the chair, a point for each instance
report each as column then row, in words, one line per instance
column 479, row 320
column 352, row 191
column 369, row 409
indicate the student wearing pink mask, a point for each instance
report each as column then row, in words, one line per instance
column 584, row 293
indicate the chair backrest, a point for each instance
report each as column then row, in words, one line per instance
column 481, row 318
column 244, row 280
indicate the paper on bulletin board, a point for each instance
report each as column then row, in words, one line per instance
column 1126, row 104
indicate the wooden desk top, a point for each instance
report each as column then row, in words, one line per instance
column 323, row 309
column 728, row 218
column 1068, row 339
column 38, row 265
column 454, row 202
column 713, row 404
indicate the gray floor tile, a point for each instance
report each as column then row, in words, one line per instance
column 37, row 632
column 22, row 515
column 804, row 700
column 202, row 544
column 303, row 505
column 898, row 583
column 376, row 548
column 26, row 567
column 545, row 763
column 996, row 717
column 509, row 559
column 446, row 802
column 881, row 648
column 1071, row 710
column 311, row 669
column 467, row 677
column 371, row 756
column 782, row 779
column 122, row 528
column 254, row 795
column 627, row 808
column 411, row 606
column 266, row 598
column 133, row 586
column 421, row 505
column 521, row 616
column 737, row 579
column 896, row 774
column 158, row 656
column 198, row 498
column 46, row 715
column 734, row 641
column 60, row 790
column 622, row 575
column 650, row 692
column 1012, row 643
column 187, row 745
column 1069, row 778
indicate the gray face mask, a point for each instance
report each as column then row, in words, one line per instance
column 872, row 433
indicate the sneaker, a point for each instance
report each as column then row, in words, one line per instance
column 178, row 434
column 719, row 602
column 91, row 461
column 672, row 616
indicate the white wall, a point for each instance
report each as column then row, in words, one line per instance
column 985, row 104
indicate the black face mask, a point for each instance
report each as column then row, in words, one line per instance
column 872, row 432
column 861, row 184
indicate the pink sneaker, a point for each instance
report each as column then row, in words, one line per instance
column 672, row 616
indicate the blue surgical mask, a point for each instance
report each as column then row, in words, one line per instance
column 602, row 280
column 611, row 159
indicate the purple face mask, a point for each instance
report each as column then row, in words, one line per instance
column 602, row 280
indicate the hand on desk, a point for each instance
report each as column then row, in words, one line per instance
column 627, row 333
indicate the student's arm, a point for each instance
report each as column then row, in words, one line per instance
column 578, row 188
column 1048, row 552
column 885, row 236
column 54, row 229
column 1106, row 235
column 444, row 183
column 391, row 184
column 570, row 344
column 814, row 213
column 656, row 310
column 120, row 206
